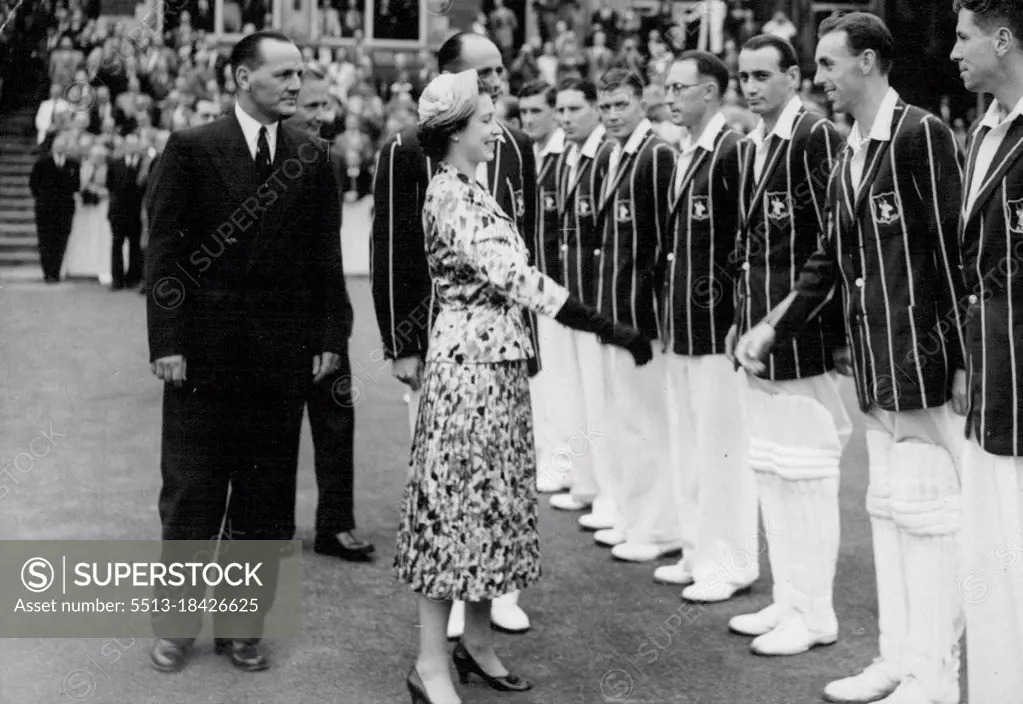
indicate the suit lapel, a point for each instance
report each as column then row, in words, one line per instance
column 625, row 163
column 1005, row 158
column 778, row 147
column 748, row 153
column 234, row 162
column 876, row 155
column 845, row 202
column 269, row 224
column 695, row 165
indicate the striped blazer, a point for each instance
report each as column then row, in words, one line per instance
column 992, row 240
column 578, row 198
column 781, row 220
column 632, row 219
column 548, row 222
column 895, row 249
column 402, row 290
column 699, row 297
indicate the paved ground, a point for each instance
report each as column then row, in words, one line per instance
column 73, row 358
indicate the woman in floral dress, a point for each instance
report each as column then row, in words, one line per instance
column 468, row 528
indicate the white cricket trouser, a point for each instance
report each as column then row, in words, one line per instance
column 592, row 480
column 715, row 490
column 798, row 429
column 915, row 514
column 992, row 580
column 641, row 471
column 559, row 421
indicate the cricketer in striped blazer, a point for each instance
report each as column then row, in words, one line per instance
column 632, row 218
column 548, row 221
column 781, row 219
column 992, row 241
column 578, row 198
column 402, row 292
column 895, row 250
column 698, row 300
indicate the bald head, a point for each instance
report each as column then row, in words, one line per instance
column 467, row 50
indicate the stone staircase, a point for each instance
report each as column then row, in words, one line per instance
column 18, row 153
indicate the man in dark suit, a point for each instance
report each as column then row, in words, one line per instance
column 331, row 406
column 54, row 181
column 402, row 291
column 125, row 213
column 247, row 308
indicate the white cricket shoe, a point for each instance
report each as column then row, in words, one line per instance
column 912, row 692
column 567, row 502
column 456, row 620
column 643, row 552
column 877, row 681
column 609, row 537
column 712, row 591
column 677, row 574
column 592, row 521
column 506, row 615
column 792, row 637
column 763, row 621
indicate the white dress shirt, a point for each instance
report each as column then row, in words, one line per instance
column 782, row 130
column 631, row 145
column 688, row 147
column 999, row 123
column 881, row 131
column 250, row 128
column 589, row 150
column 555, row 145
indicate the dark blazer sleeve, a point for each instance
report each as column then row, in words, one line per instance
column 529, row 189
column 33, row 178
column 170, row 240
column 939, row 181
column 337, row 307
column 400, row 275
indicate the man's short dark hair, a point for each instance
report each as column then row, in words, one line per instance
column 995, row 12
column 539, row 87
column 247, row 52
column 449, row 56
column 708, row 66
column 587, row 88
column 786, row 52
column 864, row 31
column 616, row 78
column 511, row 108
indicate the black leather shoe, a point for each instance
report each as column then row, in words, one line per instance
column 466, row 665
column 244, row 656
column 169, row 655
column 344, row 545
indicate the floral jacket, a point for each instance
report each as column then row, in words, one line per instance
column 481, row 275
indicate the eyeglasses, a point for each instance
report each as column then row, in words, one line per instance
column 680, row 87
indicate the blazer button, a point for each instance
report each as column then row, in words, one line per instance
column 671, row 257
column 859, row 282
column 745, row 266
column 564, row 248
column 973, row 299
column 596, row 252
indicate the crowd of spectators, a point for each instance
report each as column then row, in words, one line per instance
column 109, row 80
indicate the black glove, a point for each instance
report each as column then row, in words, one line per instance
column 578, row 316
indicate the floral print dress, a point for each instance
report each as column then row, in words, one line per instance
column 468, row 525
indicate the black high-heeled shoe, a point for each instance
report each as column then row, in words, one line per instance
column 417, row 689
column 467, row 665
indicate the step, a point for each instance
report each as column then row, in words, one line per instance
column 16, row 216
column 16, row 256
column 13, row 179
column 18, row 229
column 18, row 191
column 25, row 159
column 8, row 244
column 10, row 204
column 14, row 168
column 14, row 145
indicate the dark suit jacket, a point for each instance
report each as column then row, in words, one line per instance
column 700, row 268
column 894, row 248
column 54, row 189
column 782, row 219
column 245, row 278
column 992, row 242
column 402, row 290
column 125, row 192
